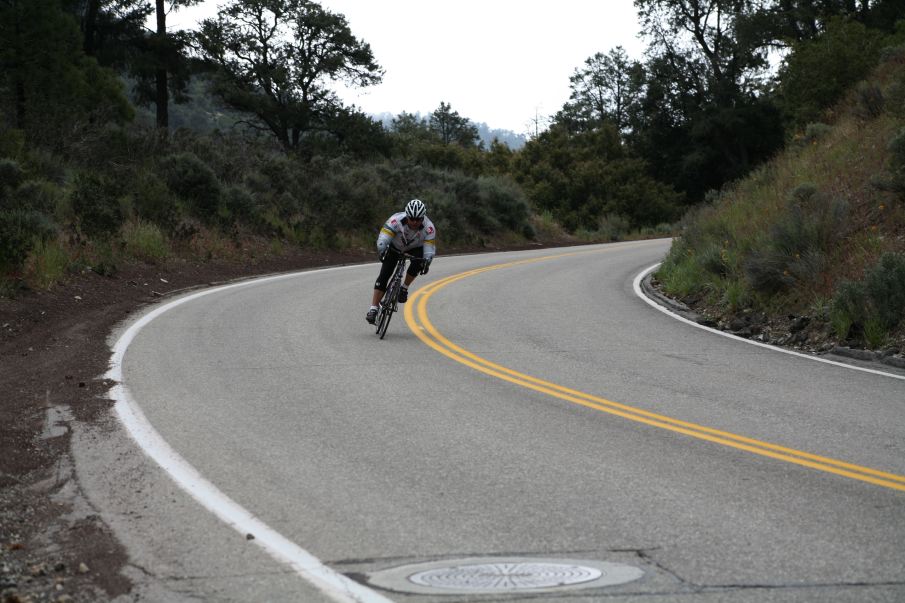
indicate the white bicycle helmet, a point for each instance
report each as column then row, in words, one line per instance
column 415, row 209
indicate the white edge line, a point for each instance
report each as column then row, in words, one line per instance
column 640, row 293
column 330, row 582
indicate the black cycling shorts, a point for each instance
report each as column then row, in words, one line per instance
column 389, row 265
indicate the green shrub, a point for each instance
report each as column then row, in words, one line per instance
column 145, row 241
column 895, row 180
column 816, row 131
column 848, row 307
column 768, row 271
column 12, row 142
column 896, row 99
column 613, row 227
column 505, row 201
column 154, row 202
column 798, row 243
column 11, row 173
column 38, row 195
column 875, row 333
column 847, row 50
column 711, row 258
column 897, row 154
column 46, row 264
column 885, row 287
column 95, row 202
column 240, row 204
column 803, row 192
column 20, row 230
column 681, row 274
column 194, row 181
column 870, row 100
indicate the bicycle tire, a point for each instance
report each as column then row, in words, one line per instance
column 381, row 316
column 388, row 306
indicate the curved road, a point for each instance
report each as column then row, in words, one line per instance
column 374, row 454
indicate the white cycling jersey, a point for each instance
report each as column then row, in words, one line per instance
column 399, row 234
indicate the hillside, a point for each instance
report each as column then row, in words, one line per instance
column 809, row 250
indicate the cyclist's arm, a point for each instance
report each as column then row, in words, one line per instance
column 430, row 243
column 387, row 234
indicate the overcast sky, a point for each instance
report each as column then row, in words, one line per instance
column 493, row 61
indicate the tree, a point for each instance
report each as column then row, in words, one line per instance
column 409, row 132
column 452, row 128
column 274, row 59
column 703, row 35
column 48, row 87
column 583, row 178
column 111, row 29
column 169, row 60
column 705, row 117
column 607, row 88
column 819, row 71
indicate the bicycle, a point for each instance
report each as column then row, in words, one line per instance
column 389, row 304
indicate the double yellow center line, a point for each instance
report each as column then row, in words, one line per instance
column 418, row 321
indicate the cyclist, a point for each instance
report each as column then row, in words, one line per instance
column 411, row 232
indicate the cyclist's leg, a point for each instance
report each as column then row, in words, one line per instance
column 415, row 266
column 386, row 271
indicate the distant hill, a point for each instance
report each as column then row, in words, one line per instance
column 485, row 132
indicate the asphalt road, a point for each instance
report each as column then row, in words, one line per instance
column 374, row 454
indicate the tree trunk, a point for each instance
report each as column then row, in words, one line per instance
column 90, row 26
column 162, row 93
column 20, row 102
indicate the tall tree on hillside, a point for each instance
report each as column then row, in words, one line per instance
column 452, row 128
column 784, row 22
column 48, row 87
column 275, row 58
column 607, row 88
column 166, row 63
column 115, row 32
column 704, row 118
column 704, row 35
column 111, row 29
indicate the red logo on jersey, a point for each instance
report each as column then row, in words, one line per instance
column 430, row 230
column 393, row 222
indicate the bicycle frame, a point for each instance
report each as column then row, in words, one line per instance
column 390, row 302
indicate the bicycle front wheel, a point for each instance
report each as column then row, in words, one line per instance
column 387, row 307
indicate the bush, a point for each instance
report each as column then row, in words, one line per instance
column 145, row 241
column 194, row 181
column 38, row 195
column 848, row 307
column 885, row 287
column 240, row 204
column 870, row 101
column 895, row 94
column 95, row 202
column 11, row 173
column 894, row 181
column 797, row 247
column 847, row 50
column 815, row 131
column 46, row 264
column 154, row 202
column 20, row 230
column 505, row 201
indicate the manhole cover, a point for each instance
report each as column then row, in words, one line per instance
column 494, row 575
